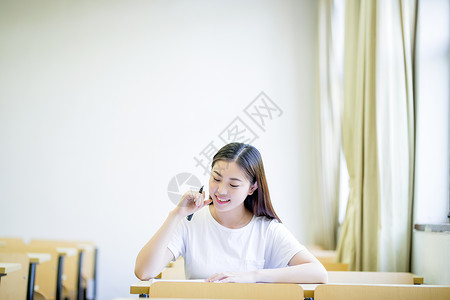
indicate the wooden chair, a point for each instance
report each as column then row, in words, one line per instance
column 11, row 242
column 14, row 284
column 174, row 270
column 82, row 280
column 376, row 292
column 33, row 260
column 50, row 276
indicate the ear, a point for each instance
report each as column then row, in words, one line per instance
column 253, row 188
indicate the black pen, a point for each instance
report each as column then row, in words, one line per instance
column 190, row 216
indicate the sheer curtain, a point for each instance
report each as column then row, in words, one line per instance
column 396, row 130
column 329, row 107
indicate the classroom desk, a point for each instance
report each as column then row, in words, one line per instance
column 33, row 260
column 334, row 277
column 85, row 281
column 373, row 277
column 199, row 288
column 39, row 258
column 6, row 268
column 381, row 291
column 50, row 277
column 179, row 299
column 13, row 271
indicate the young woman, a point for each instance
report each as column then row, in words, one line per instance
column 235, row 234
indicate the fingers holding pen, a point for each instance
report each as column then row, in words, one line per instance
column 192, row 201
column 199, row 199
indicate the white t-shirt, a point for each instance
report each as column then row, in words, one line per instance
column 208, row 247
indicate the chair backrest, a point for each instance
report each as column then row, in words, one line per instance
column 208, row 290
column 11, row 242
column 14, row 285
column 70, row 267
column 370, row 277
column 175, row 270
column 46, row 273
column 88, row 249
column 376, row 292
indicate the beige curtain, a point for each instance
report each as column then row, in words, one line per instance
column 358, row 239
column 378, row 134
column 329, row 108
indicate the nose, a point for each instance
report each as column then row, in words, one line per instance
column 221, row 190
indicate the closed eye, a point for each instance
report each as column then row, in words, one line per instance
column 218, row 180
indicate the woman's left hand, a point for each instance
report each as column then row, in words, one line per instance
column 241, row 277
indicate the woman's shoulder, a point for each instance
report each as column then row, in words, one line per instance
column 267, row 223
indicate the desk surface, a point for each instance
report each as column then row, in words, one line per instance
column 354, row 278
column 374, row 277
column 381, row 291
column 134, row 298
column 143, row 287
column 6, row 268
column 38, row 258
column 67, row 251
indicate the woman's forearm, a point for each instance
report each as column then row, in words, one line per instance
column 303, row 273
column 154, row 256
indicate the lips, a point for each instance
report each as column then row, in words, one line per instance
column 222, row 200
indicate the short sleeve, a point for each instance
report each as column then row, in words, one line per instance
column 282, row 246
column 177, row 244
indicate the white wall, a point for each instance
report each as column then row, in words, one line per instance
column 433, row 97
column 430, row 257
column 430, row 250
column 103, row 102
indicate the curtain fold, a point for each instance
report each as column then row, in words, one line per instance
column 378, row 134
column 358, row 239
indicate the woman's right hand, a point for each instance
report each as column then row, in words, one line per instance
column 191, row 202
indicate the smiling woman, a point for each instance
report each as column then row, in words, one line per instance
column 235, row 235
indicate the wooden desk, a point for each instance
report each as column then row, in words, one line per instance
column 6, row 268
column 334, row 277
column 85, row 281
column 373, row 277
column 11, row 242
column 375, row 292
column 29, row 261
column 39, row 258
column 177, row 299
column 14, row 282
column 201, row 289
column 49, row 277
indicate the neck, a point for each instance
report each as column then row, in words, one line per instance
column 235, row 219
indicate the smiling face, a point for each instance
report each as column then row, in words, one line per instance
column 228, row 186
